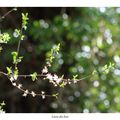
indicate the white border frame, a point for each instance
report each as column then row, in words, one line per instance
column 60, row 3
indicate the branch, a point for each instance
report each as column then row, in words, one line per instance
column 13, row 9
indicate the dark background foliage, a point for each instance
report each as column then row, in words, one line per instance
column 89, row 39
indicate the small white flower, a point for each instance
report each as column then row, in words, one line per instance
column 19, row 86
column 55, row 85
column 48, row 63
column 59, row 80
column 43, row 96
column 45, row 70
column 42, row 92
column 33, row 94
column 26, row 91
column 14, row 84
column 75, row 81
column 11, row 79
column 69, row 82
column 55, row 77
column 24, row 95
column 49, row 76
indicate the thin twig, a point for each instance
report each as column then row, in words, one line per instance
column 2, row 17
column 41, row 75
column 18, row 47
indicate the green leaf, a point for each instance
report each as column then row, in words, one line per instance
column 52, row 54
column 16, row 71
column 34, row 76
column 55, row 95
column 14, row 54
column 19, row 59
column 16, row 59
column 75, row 77
column 107, row 68
column 24, row 20
column 22, row 37
column 62, row 84
column 9, row 70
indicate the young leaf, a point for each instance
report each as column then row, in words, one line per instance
column 22, row 37
column 24, row 20
column 9, row 70
column 62, row 84
column 34, row 76
column 75, row 77
column 14, row 54
column 51, row 55
column 55, row 95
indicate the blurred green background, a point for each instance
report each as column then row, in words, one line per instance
column 89, row 38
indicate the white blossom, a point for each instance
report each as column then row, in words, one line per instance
column 55, row 77
column 11, row 79
column 42, row 92
column 55, row 85
column 48, row 63
column 24, row 94
column 49, row 76
column 19, row 86
column 75, row 81
column 14, row 84
column 45, row 70
column 43, row 96
column 26, row 91
column 59, row 80
column 33, row 94
column 69, row 82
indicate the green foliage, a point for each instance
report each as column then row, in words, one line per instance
column 75, row 77
column 4, row 38
column 107, row 68
column 24, row 20
column 52, row 54
column 62, row 84
column 15, row 55
column 9, row 70
column 22, row 37
column 55, row 95
column 16, row 59
column 16, row 71
column 34, row 76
